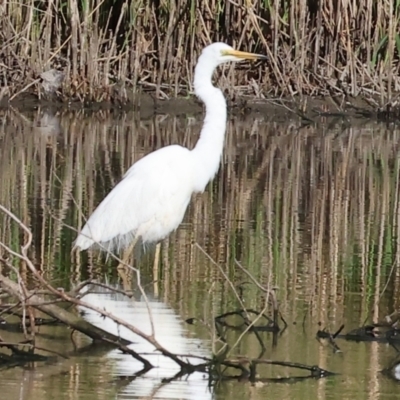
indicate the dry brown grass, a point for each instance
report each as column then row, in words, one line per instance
column 110, row 49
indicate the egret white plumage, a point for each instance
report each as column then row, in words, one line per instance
column 150, row 201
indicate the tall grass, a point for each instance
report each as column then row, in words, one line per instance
column 110, row 49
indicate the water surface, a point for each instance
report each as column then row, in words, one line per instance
column 313, row 211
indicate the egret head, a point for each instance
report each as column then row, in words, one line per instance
column 221, row 53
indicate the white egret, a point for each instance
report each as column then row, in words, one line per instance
column 150, row 201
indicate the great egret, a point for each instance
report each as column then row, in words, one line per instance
column 151, row 199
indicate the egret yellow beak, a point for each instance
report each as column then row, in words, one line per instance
column 243, row 55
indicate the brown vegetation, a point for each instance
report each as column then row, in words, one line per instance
column 112, row 49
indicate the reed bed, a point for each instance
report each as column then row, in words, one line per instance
column 316, row 215
column 113, row 49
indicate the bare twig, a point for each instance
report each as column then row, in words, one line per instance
column 23, row 256
column 224, row 275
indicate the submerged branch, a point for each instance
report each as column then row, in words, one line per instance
column 72, row 320
column 212, row 365
column 66, row 317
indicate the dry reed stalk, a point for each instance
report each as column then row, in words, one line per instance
column 115, row 48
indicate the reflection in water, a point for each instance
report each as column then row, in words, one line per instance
column 169, row 332
column 48, row 124
column 396, row 372
column 313, row 211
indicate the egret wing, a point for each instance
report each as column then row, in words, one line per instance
column 153, row 191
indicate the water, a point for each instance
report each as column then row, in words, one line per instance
column 312, row 211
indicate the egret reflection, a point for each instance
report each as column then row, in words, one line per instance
column 170, row 332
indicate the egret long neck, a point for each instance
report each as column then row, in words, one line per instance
column 208, row 150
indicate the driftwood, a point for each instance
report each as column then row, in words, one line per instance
column 383, row 332
column 68, row 318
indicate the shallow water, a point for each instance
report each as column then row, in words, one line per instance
column 311, row 210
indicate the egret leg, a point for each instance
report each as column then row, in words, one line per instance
column 155, row 268
column 127, row 254
column 126, row 278
column 123, row 271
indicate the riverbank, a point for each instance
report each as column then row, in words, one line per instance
column 103, row 49
column 147, row 105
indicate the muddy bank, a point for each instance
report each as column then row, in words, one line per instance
column 307, row 109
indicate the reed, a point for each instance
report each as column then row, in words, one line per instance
column 113, row 49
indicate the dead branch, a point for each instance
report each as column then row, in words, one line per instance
column 66, row 317
column 45, row 302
